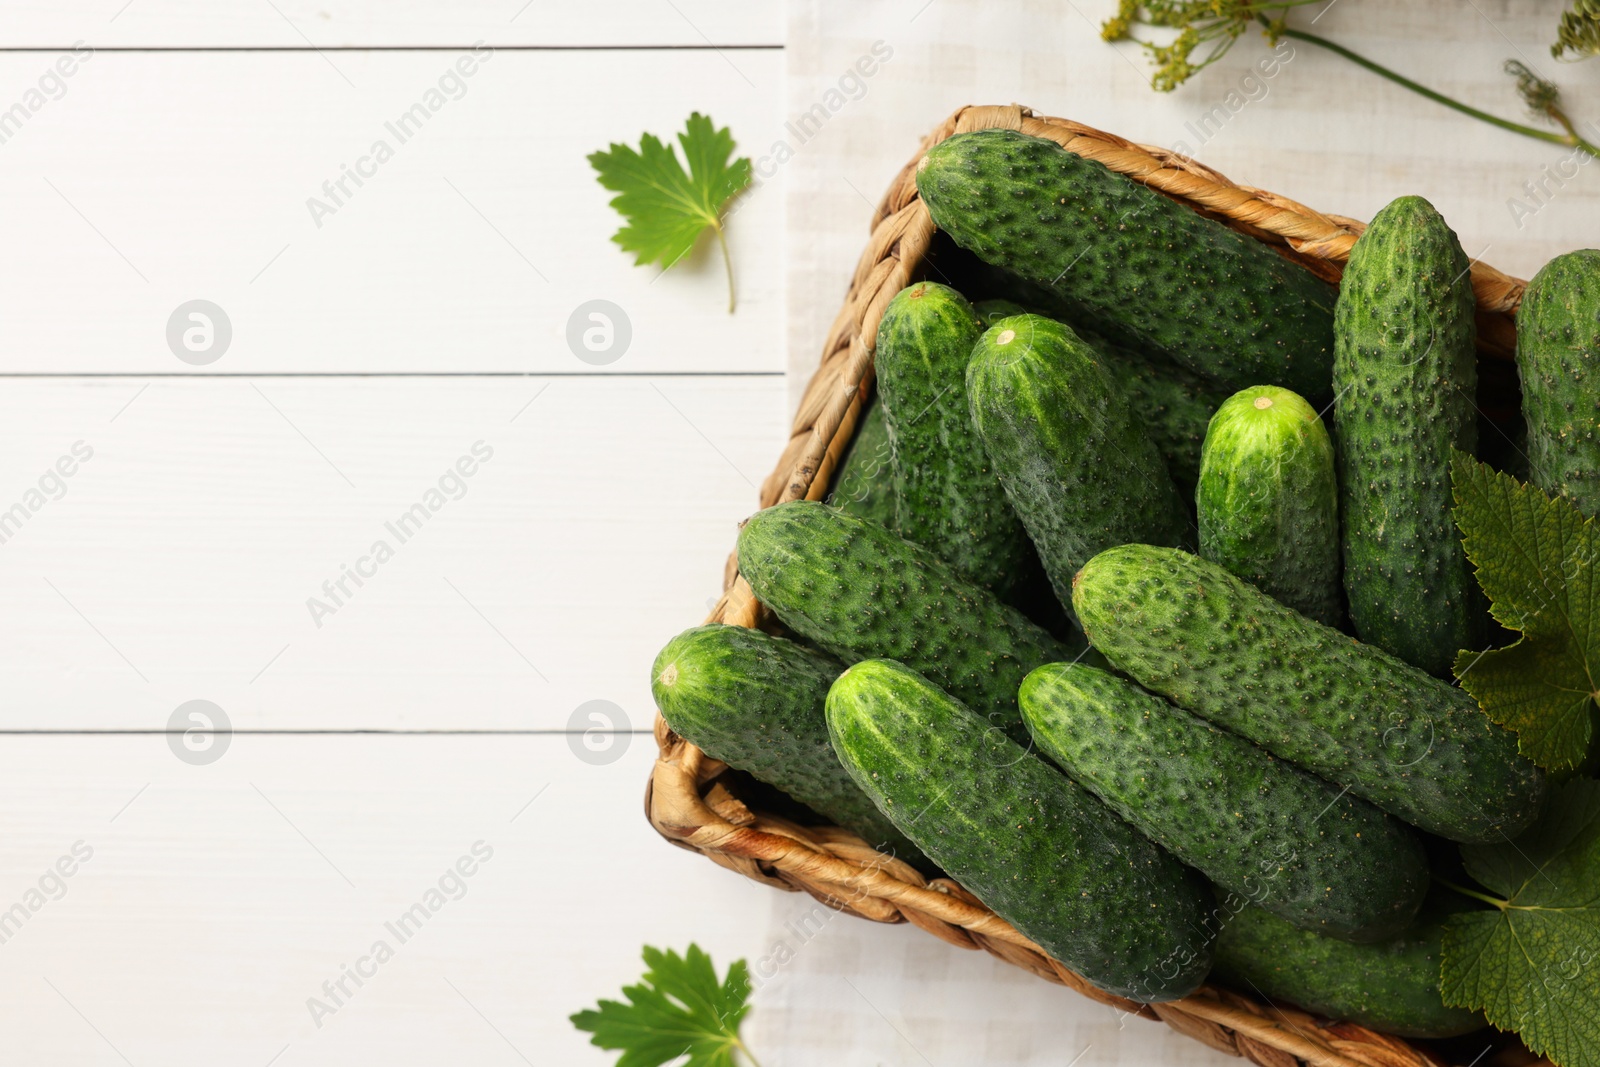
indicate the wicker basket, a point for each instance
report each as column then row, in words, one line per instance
column 697, row 803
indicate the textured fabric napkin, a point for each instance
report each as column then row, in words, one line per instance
column 836, row 990
column 866, row 81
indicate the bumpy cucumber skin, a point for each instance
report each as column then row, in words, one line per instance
column 1078, row 468
column 1417, row 747
column 1173, row 404
column 1558, row 356
column 946, row 496
column 1405, row 375
column 1251, row 823
column 1391, row 986
column 864, row 484
column 1150, row 272
column 1044, row 854
column 756, row 702
column 993, row 310
column 857, row 590
column 1268, row 499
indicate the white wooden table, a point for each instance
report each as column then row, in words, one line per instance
column 424, row 320
column 437, row 712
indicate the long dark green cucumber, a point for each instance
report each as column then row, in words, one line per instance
column 1000, row 285
column 859, row 590
column 864, row 484
column 1251, row 823
column 1405, row 376
column 1080, row 472
column 1415, row 746
column 1172, row 404
column 756, row 702
column 1558, row 355
column 1268, row 499
column 946, row 496
column 1044, row 854
column 1148, row 271
column 1391, row 986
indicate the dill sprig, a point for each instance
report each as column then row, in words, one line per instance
column 1579, row 31
column 1207, row 29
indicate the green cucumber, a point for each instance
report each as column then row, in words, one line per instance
column 993, row 310
column 1173, row 404
column 1081, row 473
column 1004, row 286
column 1268, row 499
column 1254, row 825
column 756, row 702
column 946, row 496
column 1415, row 746
column 1405, row 376
column 1150, row 272
column 864, row 483
column 1045, row 855
column 1391, row 986
column 858, row 590
column 1558, row 355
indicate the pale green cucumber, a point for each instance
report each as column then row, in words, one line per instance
column 1268, row 500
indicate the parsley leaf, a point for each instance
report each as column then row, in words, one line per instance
column 678, row 1009
column 1533, row 964
column 666, row 208
column 1535, row 558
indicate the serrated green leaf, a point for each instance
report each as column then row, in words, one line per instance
column 678, row 1010
column 1533, row 964
column 1535, row 559
column 665, row 207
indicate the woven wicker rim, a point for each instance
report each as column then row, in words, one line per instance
column 688, row 800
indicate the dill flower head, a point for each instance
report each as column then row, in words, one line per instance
column 1579, row 31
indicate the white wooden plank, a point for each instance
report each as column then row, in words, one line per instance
column 373, row 23
column 160, row 178
column 218, row 899
column 180, row 560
